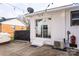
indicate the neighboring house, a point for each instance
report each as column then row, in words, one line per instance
column 47, row 27
column 11, row 25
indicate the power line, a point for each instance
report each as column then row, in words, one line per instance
column 15, row 7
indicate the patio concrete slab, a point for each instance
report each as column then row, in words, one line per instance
column 22, row 48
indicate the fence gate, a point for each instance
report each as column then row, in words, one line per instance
column 22, row 35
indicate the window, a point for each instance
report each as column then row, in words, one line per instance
column 41, row 30
column 75, row 17
column 38, row 28
column 45, row 31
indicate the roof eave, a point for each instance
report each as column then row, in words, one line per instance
column 55, row 9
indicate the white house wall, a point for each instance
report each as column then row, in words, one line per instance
column 74, row 30
column 59, row 25
column 57, row 28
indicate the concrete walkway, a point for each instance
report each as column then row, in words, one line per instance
column 22, row 48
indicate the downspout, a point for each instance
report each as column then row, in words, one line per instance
column 67, row 33
column 65, row 28
column 65, row 23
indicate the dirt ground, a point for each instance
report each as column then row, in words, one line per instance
column 22, row 48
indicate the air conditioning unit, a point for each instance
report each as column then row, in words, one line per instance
column 58, row 44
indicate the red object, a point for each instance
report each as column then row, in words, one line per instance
column 73, row 39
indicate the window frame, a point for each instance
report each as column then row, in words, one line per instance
column 41, row 35
column 36, row 24
column 71, row 18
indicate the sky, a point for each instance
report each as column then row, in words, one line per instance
column 7, row 11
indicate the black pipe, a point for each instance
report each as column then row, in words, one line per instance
column 68, row 33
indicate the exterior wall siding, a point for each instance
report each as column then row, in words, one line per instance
column 8, row 28
column 74, row 30
column 57, row 28
column 0, row 27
